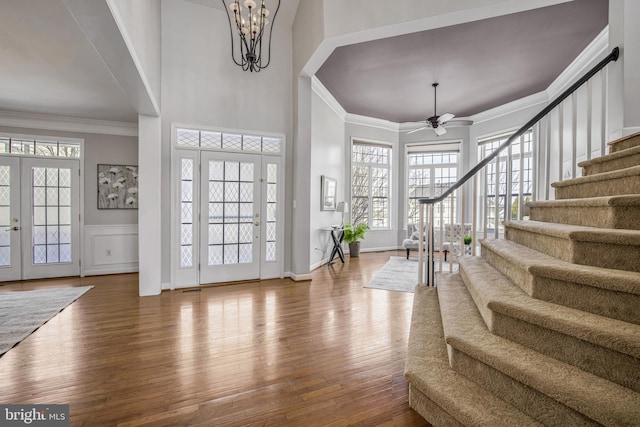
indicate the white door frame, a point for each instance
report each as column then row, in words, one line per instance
column 13, row 271
column 21, row 166
column 189, row 275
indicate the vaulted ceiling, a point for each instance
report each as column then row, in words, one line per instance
column 479, row 65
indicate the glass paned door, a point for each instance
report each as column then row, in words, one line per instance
column 50, row 221
column 230, row 217
column 10, row 224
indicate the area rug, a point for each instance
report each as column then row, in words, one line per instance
column 22, row 312
column 401, row 274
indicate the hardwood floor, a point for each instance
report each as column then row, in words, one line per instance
column 271, row 353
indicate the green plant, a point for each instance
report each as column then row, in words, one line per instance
column 467, row 240
column 353, row 234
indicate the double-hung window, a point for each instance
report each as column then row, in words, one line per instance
column 370, row 184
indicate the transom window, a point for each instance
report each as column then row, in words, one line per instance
column 48, row 147
column 213, row 140
column 370, row 184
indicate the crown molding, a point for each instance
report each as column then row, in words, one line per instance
column 511, row 107
column 319, row 89
column 356, row 119
column 67, row 124
column 583, row 62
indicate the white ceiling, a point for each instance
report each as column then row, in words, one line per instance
column 49, row 67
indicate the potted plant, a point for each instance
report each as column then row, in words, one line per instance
column 352, row 236
column 467, row 244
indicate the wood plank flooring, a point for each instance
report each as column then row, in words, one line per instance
column 326, row 352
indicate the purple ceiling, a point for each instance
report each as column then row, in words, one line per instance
column 479, row 65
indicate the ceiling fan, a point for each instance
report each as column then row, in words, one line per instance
column 435, row 122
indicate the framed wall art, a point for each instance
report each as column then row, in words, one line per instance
column 328, row 192
column 117, row 187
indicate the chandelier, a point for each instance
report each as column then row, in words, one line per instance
column 248, row 21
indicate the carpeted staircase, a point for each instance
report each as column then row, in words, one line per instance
column 544, row 327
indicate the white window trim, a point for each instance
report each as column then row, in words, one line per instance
column 426, row 147
column 386, row 144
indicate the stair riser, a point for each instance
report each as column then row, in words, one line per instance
column 530, row 401
column 604, row 302
column 606, row 255
column 606, row 363
column 550, row 245
column 615, row 305
column 430, row 411
column 623, row 145
column 609, row 187
column 612, row 165
column 615, row 217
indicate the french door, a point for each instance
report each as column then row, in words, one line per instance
column 230, row 217
column 39, row 218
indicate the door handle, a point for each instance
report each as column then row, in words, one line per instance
column 16, row 228
column 256, row 223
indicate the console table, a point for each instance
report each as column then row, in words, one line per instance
column 337, row 234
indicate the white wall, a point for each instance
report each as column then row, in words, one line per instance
column 201, row 85
column 141, row 27
column 377, row 239
column 327, row 158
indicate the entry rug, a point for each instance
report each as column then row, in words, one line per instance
column 22, row 312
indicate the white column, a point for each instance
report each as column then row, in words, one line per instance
column 149, row 211
column 623, row 104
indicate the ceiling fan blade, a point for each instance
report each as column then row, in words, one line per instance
column 446, row 117
column 416, row 130
column 440, row 130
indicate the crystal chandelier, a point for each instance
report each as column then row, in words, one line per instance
column 250, row 19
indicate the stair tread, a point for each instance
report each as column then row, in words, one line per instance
column 597, row 177
column 540, row 264
column 593, row 396
column 579, row 232
column 613, row 201
column 500, row 295
column 624, row 138
column 610, row 157
column 427, row 368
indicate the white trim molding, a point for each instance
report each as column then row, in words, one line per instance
column 299, row 277
column 319, row 89
column 592, row 54
column 110, row 249
column 67, row 124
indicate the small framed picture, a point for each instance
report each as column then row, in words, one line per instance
column 117, row 187
column 328, row 192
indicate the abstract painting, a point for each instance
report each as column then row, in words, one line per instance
column 117, row 187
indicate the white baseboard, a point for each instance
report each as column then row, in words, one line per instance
column 380, row 249
column 298, row 277
column 110, row 249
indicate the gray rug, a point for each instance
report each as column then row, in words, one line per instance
column 22, row 312
column 400, row 274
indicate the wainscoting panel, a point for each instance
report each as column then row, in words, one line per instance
column 110, row 249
